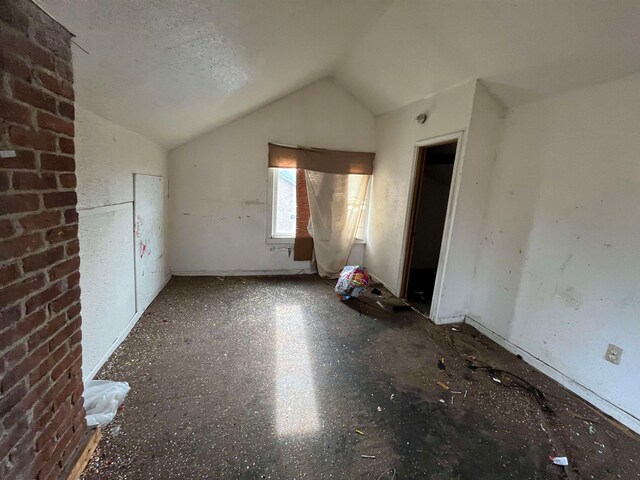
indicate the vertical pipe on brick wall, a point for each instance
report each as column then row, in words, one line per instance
column 41, row 408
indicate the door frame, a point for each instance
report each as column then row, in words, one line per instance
column 410, row 216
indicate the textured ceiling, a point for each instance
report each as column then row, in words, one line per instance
column 522, row 49
column 171, row 69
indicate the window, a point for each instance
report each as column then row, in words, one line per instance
column 282, row 205
column 283, row 208
column 354, row 186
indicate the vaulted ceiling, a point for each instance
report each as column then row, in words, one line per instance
column 171, row 69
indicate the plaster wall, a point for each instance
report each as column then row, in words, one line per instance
column 107, row 155
column 557, row 270
column 218, row 181
column 398, row 133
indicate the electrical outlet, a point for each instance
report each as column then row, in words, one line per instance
column 613, row 354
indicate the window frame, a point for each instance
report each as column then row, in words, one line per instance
column 272, row 192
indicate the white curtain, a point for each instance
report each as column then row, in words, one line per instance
column 336, row 203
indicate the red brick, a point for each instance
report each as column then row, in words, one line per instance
column 24, row 160
column 70, row 215
column 62, row 234
column 14, row 65
column 22, row 289
column 11, row 358
column 7, row 229
column 9, row 316
column 40, row 140
column 72, row 248
column 58, row 163
column 66, row 109
column 11, row 398
column 63, row 337
column 21, row 408
column 19, row 203
column 73, row 311
column 65, row 300
column 15, row 113
column 12, row 436
column 43, row 297
column 46, row 434
column 73, row 279
column 33, row 96
column 9, row 274
column 66, row 145
column 76, row 339
column 41, row 221
column 42, row 260
column 33, row 181
column 60, row 199
column 30, row 322
column 23, row 47
column 65, row 268
column 44, row 333
column 55, row 85
column 24, row 367
column 64, row 69
column 63, row 365
column 20, row 246
column 11, row 14
column 67, row 180
column 5, row 182
column 55, row 123
column 50, row 36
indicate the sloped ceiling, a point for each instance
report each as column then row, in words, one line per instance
column 523, row 50
column 171, row 69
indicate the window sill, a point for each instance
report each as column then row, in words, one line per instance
column 291, row 241
column 280, row 240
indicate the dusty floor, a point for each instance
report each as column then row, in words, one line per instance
column 252, row 378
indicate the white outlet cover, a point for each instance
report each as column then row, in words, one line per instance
column 613, row 354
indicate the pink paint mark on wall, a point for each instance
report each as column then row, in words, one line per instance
column 144, row 250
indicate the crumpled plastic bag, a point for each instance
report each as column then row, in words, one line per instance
column 102, row 399
column 352, row 282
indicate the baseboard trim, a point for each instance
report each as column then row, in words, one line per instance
column 450, row 320
column 241, row 273
column 123, row 335
column 585, row 393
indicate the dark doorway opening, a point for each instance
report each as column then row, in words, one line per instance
column 434, row 174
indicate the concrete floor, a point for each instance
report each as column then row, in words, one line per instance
column 271, row 377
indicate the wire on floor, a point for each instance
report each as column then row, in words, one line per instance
column 391, row 474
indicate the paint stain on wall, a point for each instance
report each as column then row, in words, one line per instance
column 570, row 296
column 144, row 250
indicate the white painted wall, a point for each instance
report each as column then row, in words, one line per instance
column 398, row 132
column 107, row 155
column 478, row 157
column 557, row 272
column 218, row 181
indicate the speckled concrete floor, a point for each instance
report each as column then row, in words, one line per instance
column 273, row 377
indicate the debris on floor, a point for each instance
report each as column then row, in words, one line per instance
column 363, row 357
column 352, row 282
column 562, row 461
column 102, row 399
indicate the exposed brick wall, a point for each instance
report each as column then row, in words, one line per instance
column 41, row 407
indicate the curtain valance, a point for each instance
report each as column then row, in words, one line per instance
column 321, row 160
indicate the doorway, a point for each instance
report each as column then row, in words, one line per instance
column 428, row 214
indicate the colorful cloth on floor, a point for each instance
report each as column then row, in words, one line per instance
column 353, row 281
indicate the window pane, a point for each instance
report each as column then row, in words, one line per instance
column 285, row 203
column 354, row 187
